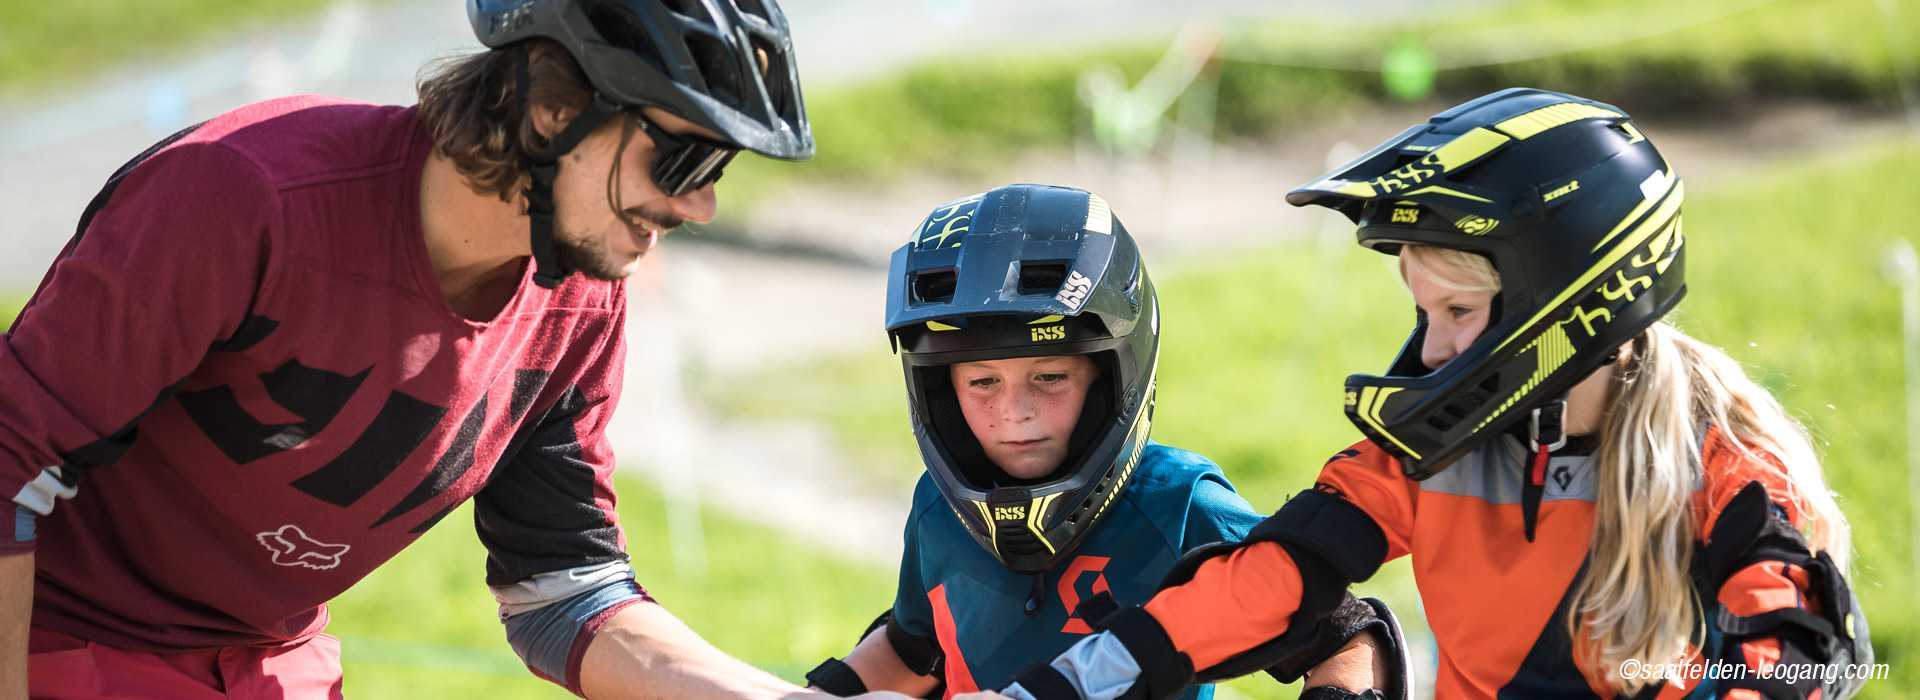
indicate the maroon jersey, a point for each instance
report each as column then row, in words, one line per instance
column 240, row 389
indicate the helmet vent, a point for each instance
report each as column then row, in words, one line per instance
column 692, row 9
column 754, row 8
column 1042, row 278
column 618, row 25
column 772, row 64
column 1438, row 424
column 933, row 287
column 717, row 67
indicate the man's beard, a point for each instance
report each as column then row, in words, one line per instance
column 595, row 257
column 589, row 257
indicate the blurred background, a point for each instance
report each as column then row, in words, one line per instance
column 763, row 430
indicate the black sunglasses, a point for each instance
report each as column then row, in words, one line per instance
column 682, row 164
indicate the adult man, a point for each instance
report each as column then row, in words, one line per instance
column 287, row 341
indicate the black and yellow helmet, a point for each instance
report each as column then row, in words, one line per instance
column 1581, row 218
column 1024, row 271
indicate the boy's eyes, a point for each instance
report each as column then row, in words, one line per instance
column 1041, row 378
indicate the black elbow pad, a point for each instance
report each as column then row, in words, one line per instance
column 1752, row 530
column 1335, row 544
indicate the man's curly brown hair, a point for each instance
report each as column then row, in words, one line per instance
column 478, row 121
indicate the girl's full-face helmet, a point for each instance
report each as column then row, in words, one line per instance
column 1024, row 271
column 1581, row 218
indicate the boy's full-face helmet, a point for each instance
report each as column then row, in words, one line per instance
column 1581, row 218
column 1025, row 271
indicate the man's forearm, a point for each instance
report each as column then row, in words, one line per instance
column 16, row 613
column 644, row 652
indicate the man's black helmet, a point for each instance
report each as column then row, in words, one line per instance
column 1581, row 218
column 1022, row 271
column 726, row 65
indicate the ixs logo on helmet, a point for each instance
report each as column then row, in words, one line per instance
column 1075, row 291
column 292, row 547
column 1045, row 333
column 1010, row 513
column 1409, row 175
column 1637, row 276
column 1475, row 225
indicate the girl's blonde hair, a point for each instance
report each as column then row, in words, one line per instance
column 1637, row 600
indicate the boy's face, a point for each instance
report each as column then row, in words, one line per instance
column 1023, row 409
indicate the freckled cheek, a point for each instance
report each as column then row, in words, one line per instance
column 1062, row 414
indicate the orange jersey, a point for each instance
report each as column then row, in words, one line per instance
column 1496, row 602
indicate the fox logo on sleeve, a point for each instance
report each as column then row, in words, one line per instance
column 292, row 547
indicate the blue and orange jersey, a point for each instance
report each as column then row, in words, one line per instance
column 1497, row 604
column 955, row 592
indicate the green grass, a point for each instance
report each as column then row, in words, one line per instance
column 1785, row 273
column 424, row 624
column 972, row 114
column 45, row 43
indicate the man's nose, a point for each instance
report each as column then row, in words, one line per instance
column 697, row 206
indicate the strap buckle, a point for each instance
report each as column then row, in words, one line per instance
column 1549, row 421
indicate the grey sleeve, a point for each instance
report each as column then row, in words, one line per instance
column 1099, row 667
column 551, row 617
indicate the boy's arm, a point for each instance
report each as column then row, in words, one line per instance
column 881, row 668
column 898, row 651
column 1360, row 665
column 16, row 609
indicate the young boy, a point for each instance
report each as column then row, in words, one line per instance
column 1029, row 333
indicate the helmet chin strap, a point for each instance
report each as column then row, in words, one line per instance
column 543, row 166
column 1546, row 432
